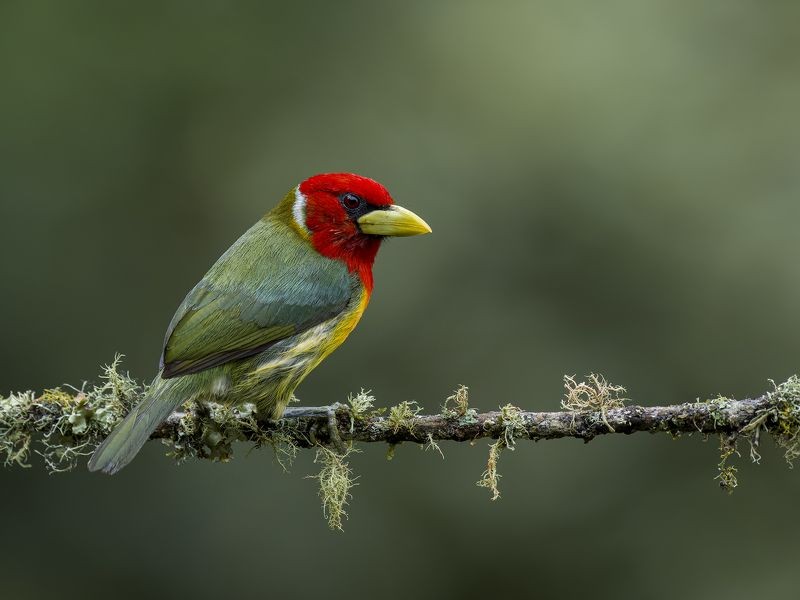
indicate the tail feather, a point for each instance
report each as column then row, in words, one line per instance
column 128, row 437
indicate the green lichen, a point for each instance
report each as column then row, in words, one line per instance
column 513, row 427
column 717, row 404
column 15, row 437
column 360, row 406
column 727, row 472
column 786, row 430
column 335, row 482
column 490, row 477
column 390, row 450
column 513, row 424
column 780, row 417
column 284, row 447
column 456, row 405
column 62, row 425
column 209, row 430
column 401, row 417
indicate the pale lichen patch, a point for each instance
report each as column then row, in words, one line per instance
column 457, row 404
column 401, row 417
column 513, row 427
column 490, row 477
column 432, row 445
column 594, row 394
column 360, row 406
column 69, row 424
column 335, row 481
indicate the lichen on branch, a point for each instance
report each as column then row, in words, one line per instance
column 65, row 424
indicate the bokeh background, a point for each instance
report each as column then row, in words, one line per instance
column 613, row 187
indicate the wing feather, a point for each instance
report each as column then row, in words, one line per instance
column 271, row 284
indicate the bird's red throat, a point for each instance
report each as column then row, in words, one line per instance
column 353, row 248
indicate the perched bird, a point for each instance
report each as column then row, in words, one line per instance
column 273, row 306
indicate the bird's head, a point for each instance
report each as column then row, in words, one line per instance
column 346, row 216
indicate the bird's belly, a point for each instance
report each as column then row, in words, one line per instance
column 270, row 378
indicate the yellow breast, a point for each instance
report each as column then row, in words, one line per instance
column 313, row 346
column 346, row 324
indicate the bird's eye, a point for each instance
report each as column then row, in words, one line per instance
column 351, row 201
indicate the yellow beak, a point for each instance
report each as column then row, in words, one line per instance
column 395, row 220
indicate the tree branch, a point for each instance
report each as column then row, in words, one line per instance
column 66, row 424
column 308, row 426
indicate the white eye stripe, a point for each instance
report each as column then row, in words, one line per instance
column 299, row 209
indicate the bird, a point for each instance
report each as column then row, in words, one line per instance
column 275, row 304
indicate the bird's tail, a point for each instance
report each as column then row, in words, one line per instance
column 128, row 437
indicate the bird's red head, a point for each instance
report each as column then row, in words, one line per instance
column 346, row 217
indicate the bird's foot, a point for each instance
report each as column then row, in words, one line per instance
column 334, row 437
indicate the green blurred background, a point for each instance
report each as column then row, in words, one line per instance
column 612, row 186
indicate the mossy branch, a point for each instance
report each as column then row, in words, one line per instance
column 69, row 423
column 307, row 426
column 82, row 418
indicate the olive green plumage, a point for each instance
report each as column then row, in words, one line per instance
column 266, row 313
column 283, row 297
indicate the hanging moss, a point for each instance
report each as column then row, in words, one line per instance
column 513, row 426
column 335, row 482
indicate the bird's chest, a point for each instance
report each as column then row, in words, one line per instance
column 281, row 368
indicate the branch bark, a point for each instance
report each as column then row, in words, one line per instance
column 309, row 426
column 68, row 424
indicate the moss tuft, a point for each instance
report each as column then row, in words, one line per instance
column 283, row 446
column 456, row 405
column 785, row 399
column 360, row 406
column 727, row 472
column 68, row 423
column 490, row 477
column 595, row 395
column 513, row 424
column 513, row 427
column 781, row 418
column 15, row 437
column 335, row 481
column 401, row 417
column 717, row 404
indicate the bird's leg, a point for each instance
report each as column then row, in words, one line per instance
column 320, row 416
column 333, row 429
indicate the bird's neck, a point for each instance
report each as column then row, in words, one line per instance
column 358, row 253
column 344, row 243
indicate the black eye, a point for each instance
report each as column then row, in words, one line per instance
column 351, row 201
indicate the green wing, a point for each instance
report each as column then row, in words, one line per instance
column 269, row 285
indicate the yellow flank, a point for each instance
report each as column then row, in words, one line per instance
column 346, row 325
column 274, row 380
